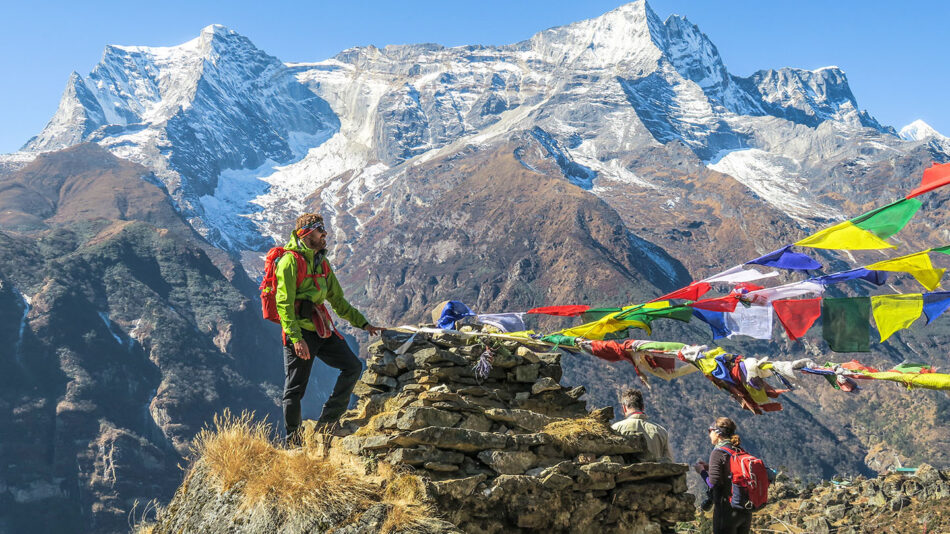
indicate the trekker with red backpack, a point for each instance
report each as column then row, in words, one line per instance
column 297, row 282
column 738, row 481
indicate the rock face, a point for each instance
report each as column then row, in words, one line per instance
column 895, row 502
column 121, row 335
column 510, row 450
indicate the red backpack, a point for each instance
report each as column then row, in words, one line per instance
column 750, row 480
column 320, row 315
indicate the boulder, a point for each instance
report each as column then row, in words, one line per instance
column 527, row 354
column 506, row 360
column 650, row 471
column 376, row 379
column 416, row 417
column 545, row 384
column 525, row 419
column 477, row 422
column 508, row 462
column 457, row 489
column 458, row 439
column 524, row 373
column 421, row 455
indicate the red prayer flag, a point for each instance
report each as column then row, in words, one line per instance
column 938, row 175
column 610, row 351
column 718, row 304
column 855, row 365
column 690, row 292
column 745, row 287
column 571, row 310
column 797, row 316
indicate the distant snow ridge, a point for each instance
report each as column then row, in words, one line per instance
column 919, row 131
column 241, row 140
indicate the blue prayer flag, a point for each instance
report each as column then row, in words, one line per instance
column 875, row 277
column 453, row 311
column 785, row 259
column 935, row 303
column 715, row 320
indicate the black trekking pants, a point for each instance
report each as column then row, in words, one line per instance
column 728, row 520
column 332, row 351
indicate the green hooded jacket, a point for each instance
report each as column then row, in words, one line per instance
column 315, row 290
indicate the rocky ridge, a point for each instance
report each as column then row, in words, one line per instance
column 510, row 450
column 891, row 502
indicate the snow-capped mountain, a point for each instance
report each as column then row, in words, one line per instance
column 919, row 131
column 240, row 140
column 191, row 112
column 922, row 132
column 605, row 162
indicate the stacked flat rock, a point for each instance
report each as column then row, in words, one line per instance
column 481, row 444
column 891, row 502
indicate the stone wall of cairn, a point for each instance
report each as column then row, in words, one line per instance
column 513, row 451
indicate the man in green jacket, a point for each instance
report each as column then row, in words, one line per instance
column 307, row 328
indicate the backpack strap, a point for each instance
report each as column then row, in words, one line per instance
column 301, row 266
column 325, row 267
column 727, row 450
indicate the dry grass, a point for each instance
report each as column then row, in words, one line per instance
column 240, row 454
column 407, row 494
column 235, row 448
column 573, row 431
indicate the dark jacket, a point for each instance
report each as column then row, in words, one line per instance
column 719, row 473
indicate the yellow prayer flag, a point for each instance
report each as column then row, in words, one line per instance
column 600, row 328
column 844, row 236
column 708, row 364
column 609, row 324
column 896, row 312
column 917, row 265
column 914, row 380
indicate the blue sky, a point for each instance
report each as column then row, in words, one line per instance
column 894, row 53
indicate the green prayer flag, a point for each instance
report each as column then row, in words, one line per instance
column 680, row 313
column 559, row 339
column 943, row 250
column 912, row 367
column 846, row 324
column 888, row 220
column 596, row 314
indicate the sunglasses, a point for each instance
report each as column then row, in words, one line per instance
column 306, row 230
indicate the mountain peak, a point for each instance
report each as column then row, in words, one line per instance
column 918, row 131
column 631, row 36
column 217, row 29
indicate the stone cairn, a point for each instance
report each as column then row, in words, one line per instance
column 507, row 448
